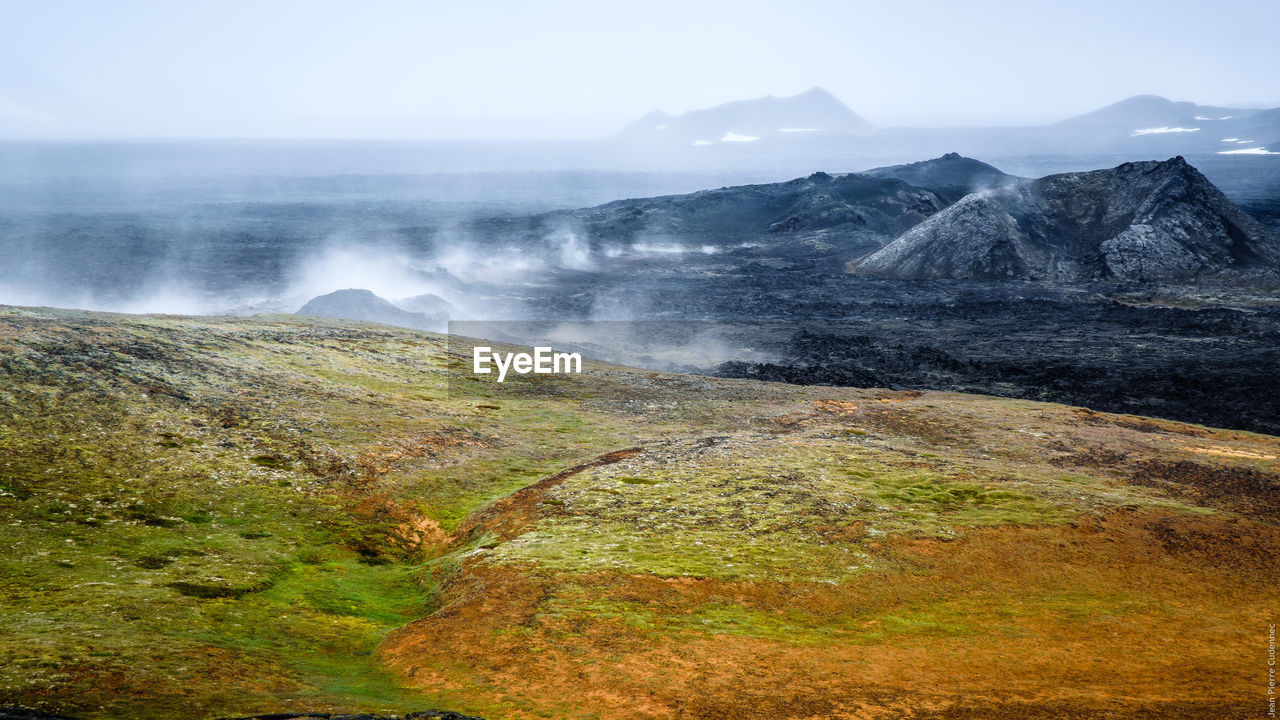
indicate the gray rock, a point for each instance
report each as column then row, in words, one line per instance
column 951, row 176
column 1141, row 221
column 363, row 305
column 844, row 215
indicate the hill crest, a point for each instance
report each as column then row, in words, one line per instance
column 1140, row 221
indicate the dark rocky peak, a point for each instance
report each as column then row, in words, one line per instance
column 843, row 214
column 952, row 176
column 1139, row 221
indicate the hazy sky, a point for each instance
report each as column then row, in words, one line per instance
column 401, row 68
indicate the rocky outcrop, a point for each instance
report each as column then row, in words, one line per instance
column 821, row 215
column 848, row 210
column 951, row 176
column 1141, row 221
column 848, row 214
column 363, row 305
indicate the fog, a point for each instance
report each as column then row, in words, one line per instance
column 147, row 228
column 578, row 70
column 239, row 157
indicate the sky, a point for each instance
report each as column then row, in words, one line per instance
column 556, row 69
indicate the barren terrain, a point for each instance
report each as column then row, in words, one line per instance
column 212, row 516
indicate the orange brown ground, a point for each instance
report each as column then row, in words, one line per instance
column 221, row 517
column 1197, row 594
column 1128, row 611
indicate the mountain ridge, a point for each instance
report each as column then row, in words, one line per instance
column 1145, row 125
column 814, row 111
column 1139, row 221
column 364, row 306
column 1152, row 109
column 847, row 213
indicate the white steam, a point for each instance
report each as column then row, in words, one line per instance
column 387, row 274
column 575, row 253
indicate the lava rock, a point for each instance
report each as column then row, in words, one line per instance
column 951, row 176
column 364, row 306
column 1142, row 221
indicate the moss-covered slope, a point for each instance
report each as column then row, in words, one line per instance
column 219, row 516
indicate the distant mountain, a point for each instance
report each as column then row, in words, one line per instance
column 428, row 304
column 1150, row 123
column 1252, row 149
column 820, row 127
column 1153, row 111
column 364, row 306
column 814, row 112
column 1136, row 222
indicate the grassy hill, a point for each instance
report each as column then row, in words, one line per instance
column 208, row 517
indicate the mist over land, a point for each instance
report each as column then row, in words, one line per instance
column 692, row 218
column 218, row 227
column 915, row 344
